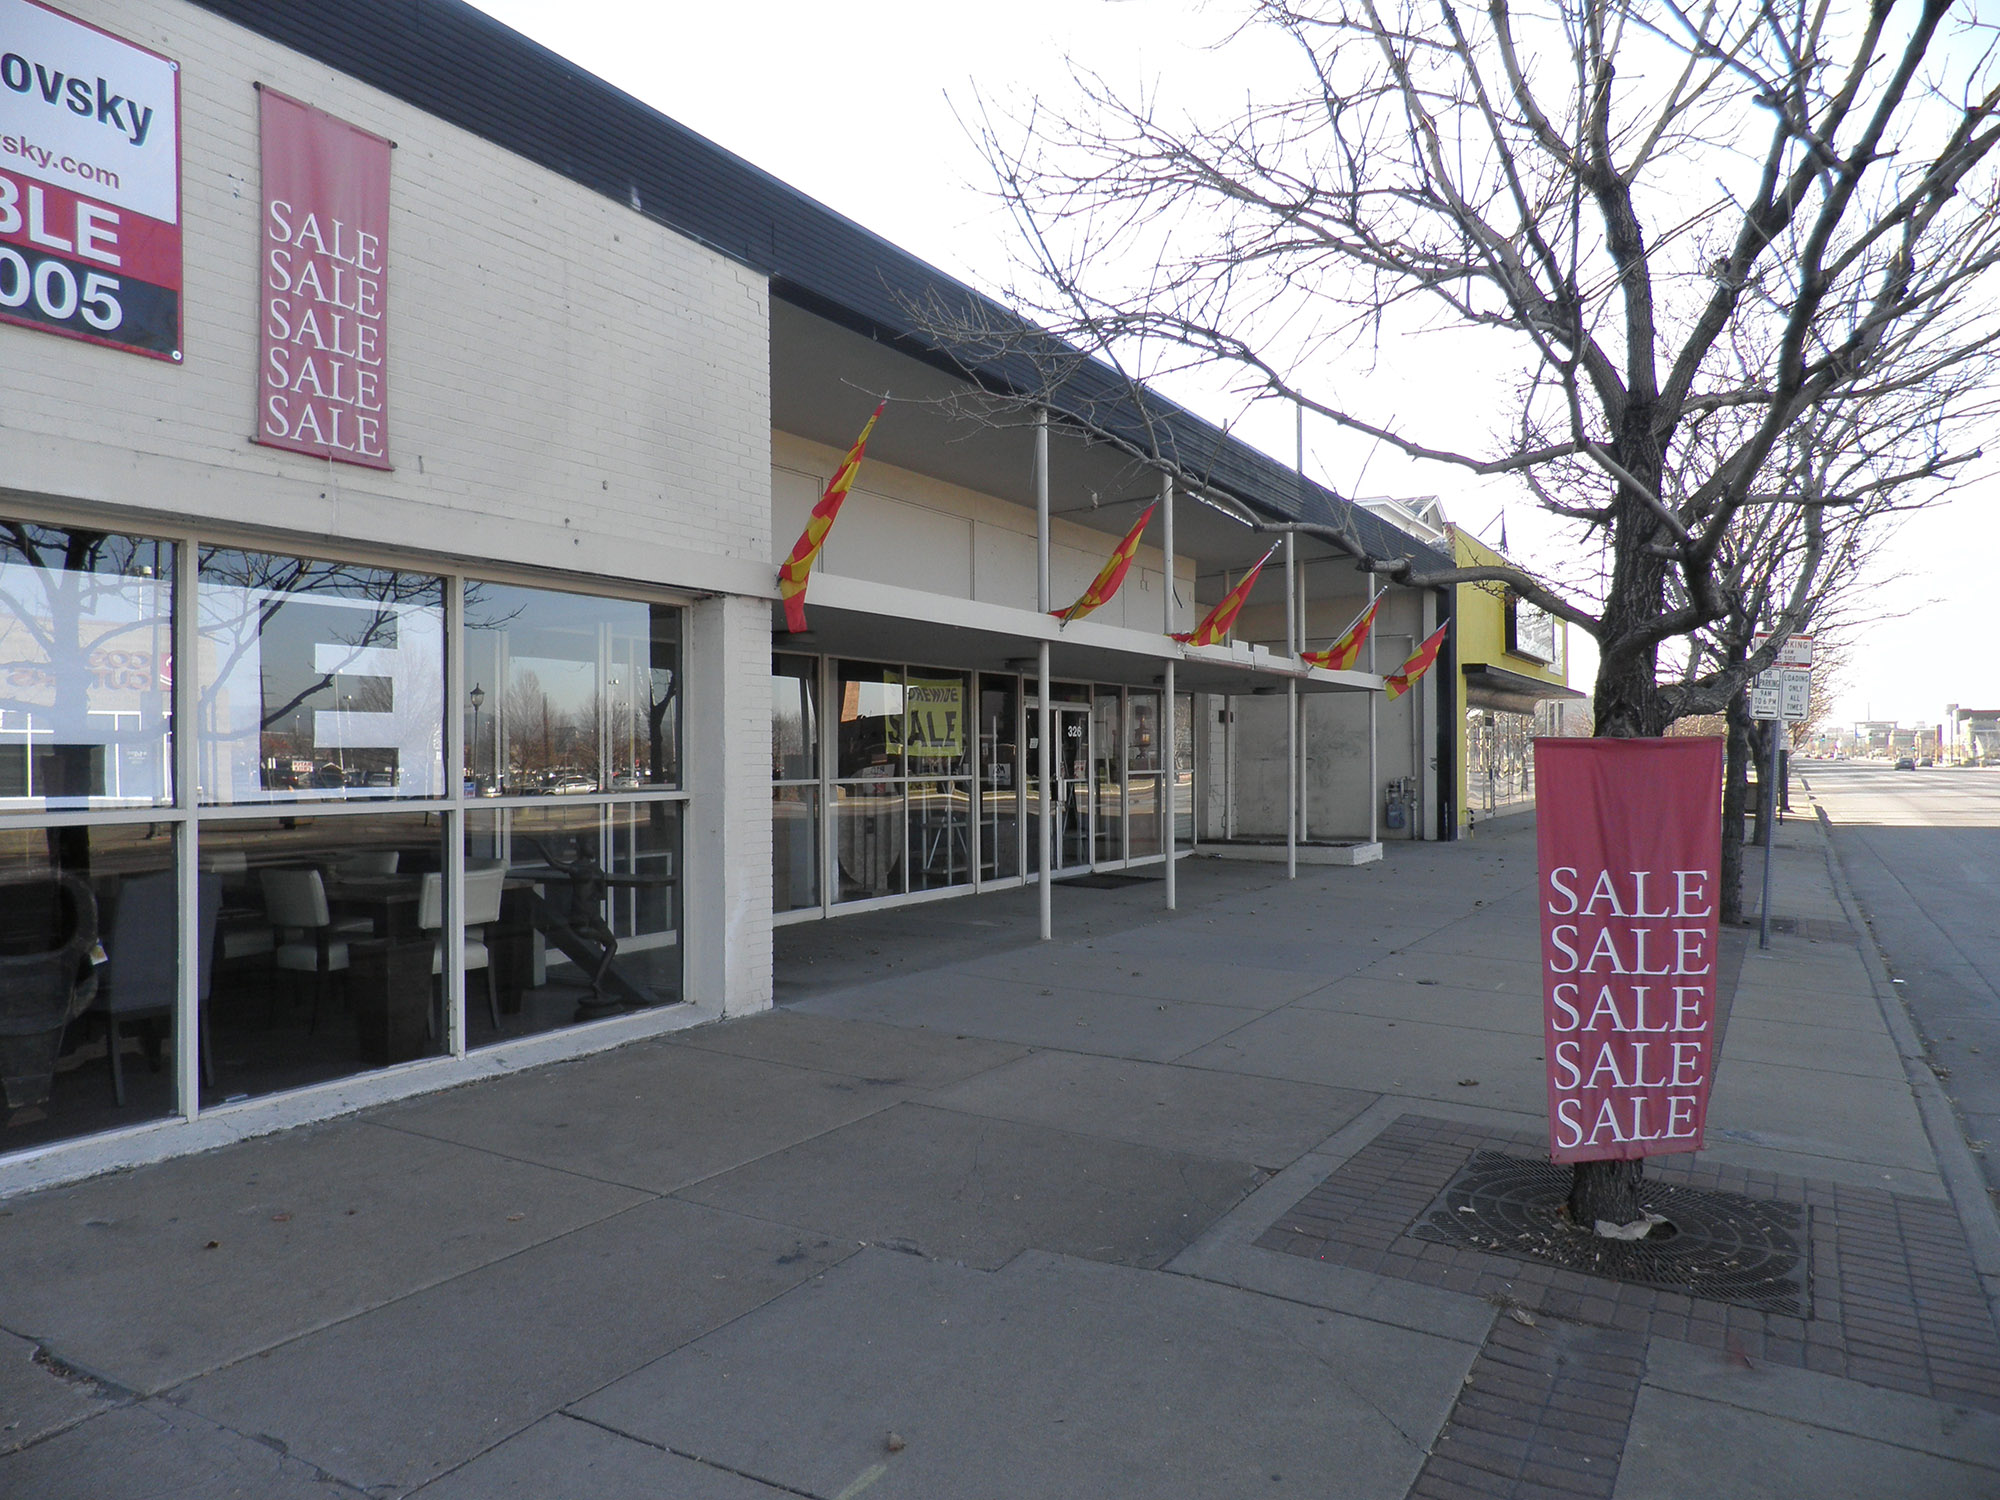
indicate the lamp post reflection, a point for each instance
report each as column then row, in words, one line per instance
column 477, row 698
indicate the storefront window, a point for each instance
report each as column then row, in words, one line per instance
column 578, row 911
column 1107, row 754
column 326, row 924
column 86, row 635
column 794, row 718
column 87, row 1043
column 318, row 680
column 871, row 720
column 868, row 839
column 325, row 942
column 1499, row 760
column 570, row 693
column 1183, row 798
column 999, row 777
column 795, row 789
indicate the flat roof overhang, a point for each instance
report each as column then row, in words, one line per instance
column 1488, row 686
column 880, row 622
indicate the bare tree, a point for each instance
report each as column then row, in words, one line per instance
column 1707, row 245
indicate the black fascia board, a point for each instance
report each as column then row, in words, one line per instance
column 462, row 66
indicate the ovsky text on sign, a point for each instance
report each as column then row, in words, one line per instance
column 90, row 233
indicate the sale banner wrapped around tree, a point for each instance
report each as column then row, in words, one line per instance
column 1630, row 845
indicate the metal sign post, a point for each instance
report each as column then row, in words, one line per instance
column 1783, row 695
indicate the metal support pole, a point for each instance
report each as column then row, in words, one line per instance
column 1044, row 753
column 1169, row 761
column 1291, row 710
column 1042, row 515
column 1770, row 791
column 1305, row 738
column 1295, row 593
column 190, row 1045
column 1045, row 750
column 1170, row 781
column 1374, row 765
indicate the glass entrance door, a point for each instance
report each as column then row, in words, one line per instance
column 1070, row 791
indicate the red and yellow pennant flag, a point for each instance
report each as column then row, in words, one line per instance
column 1105, row 584
column 1218, row 621
column 1343, row 653
column 1400, row 681
column 796, row 569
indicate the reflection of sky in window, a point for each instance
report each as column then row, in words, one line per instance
column 872, row 700
column 555, row 637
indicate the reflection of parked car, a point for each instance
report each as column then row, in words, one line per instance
column 1907, row 763
column 381, row 778
column 571, row 786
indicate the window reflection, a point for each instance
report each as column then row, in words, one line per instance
column 318, row 679
column 583, row 919
column 325, row 944
column 871, row 720
column 794, row 719
column 87, row 1045
column 86, row 667
column 578, row 693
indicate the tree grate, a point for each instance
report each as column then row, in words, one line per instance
column 1724, row 1247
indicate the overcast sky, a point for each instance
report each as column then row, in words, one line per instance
column 859, row 107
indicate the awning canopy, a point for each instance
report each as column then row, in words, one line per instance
column 1488, row 686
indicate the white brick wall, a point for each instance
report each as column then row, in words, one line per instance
column 570, row 385
column 729, row 815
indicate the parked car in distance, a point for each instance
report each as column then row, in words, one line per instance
column 1907, row 763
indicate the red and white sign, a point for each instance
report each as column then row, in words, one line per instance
column 322, row 376
column 1630, row 843
column 90, row 183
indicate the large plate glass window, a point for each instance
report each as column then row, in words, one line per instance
column 568, row 693
column 317, row 680
column 573, row 912
column 1183, row 799
column 869, row 798
column 573, row 898
column 794, row 783
column 1000, row 778
column 936, row 731
column 1108, row 772
column 323, row 944
column 86, row 668
column 1142, row 765
column 89, row 975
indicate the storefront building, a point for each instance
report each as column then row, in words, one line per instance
column 387, row 582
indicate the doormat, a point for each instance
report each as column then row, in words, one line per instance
column 1106, row 882
column 1749, row 1252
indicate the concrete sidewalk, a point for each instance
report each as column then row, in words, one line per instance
column 1131, row 1213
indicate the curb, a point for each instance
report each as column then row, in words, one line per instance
column 1964, row 1179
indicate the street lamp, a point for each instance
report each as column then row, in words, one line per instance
column 477, row 698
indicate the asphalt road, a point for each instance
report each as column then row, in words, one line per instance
column 1922, row 852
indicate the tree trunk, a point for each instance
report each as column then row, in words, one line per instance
column 1735, row 796
column 1606, row 1191
column 1626, row 700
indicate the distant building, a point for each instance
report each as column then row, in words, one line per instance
column 1512, row 683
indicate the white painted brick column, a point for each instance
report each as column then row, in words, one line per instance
column 728, row 732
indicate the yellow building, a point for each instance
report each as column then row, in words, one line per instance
column 1513, row 662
